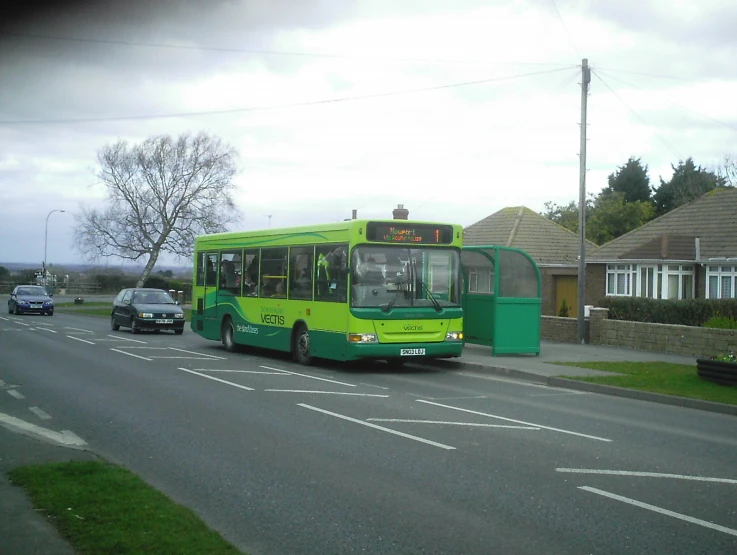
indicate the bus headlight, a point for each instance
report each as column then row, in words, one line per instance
column 454, row 336
column 362, row 338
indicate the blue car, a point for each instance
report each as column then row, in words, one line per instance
column 32, row 299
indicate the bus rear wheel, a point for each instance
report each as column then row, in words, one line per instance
column 301, row 345
column 227, row 335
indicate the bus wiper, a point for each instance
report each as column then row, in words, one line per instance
column 387, row 307
column 430, row 296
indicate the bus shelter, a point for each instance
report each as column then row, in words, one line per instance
column 501, row 299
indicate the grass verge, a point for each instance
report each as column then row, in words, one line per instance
column 105, row 509
column 657, row 377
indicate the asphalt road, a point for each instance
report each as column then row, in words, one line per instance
column 280, row 458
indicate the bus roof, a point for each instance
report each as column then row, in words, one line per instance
column 346, row 227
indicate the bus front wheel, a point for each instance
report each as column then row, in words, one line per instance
column 301, row 346
column 227, row 335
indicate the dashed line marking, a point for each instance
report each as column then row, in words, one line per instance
column 15, row 393
column 43, row 415
column 198, row 354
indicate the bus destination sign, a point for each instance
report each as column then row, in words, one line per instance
column 418, row 234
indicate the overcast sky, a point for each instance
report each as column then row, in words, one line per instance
column 486, row 112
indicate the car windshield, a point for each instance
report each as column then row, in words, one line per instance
column 33, row 290
column 152, row 297
column 386, row 277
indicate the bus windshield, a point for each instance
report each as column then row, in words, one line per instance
column 386, row 277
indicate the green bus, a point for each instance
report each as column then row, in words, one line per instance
column 350, row 290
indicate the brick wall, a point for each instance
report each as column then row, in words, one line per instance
column 563, row 330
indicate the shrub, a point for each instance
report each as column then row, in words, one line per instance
column 689, row 312
column 564, row 309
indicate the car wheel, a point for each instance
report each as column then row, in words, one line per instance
column 113, row 325
column 301, row 347
column 134, row 326
column 50, row 313
column 227, row 335
column 16, row 311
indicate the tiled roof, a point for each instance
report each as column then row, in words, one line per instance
column 712, row 218
column 523, row 228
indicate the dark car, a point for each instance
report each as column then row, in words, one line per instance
column 32, row 299
column 146, row 309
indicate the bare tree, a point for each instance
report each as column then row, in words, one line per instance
column 160, row 195
column 728, row 170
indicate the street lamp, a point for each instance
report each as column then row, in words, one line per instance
column 46, row 238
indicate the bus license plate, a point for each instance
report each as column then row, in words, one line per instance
column 409, row 352
column 164, row 321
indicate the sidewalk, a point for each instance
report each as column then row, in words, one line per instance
column 26, row 532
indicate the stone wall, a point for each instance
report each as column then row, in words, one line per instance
column 563, row 330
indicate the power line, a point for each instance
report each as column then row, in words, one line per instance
column 732, row 127
column 281, row 106
column 660, row 76
column 570, row 38
column 270, row 52
column 666, row 143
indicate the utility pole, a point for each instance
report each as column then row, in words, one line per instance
column 585, row 80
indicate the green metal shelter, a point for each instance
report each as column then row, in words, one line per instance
column 501, row 299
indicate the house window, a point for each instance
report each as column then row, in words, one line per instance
column 721, row 282
column 678, row 281
column 619, row 279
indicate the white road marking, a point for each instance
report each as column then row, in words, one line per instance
column 6, row 319
column 79, row 329
column 217, row 379
column 308, row 376
column 513, row 420
column 65, row 437
column 408, row 436
column 325, row 392
column 121, row 338
column 373, row 385
column 646, row 475
column 198, row 354
column 472, row 424
column 130, row 354
column 15, row 393
column 47, row 329
column 279, row 373
column 204, row 357
column 150, row 348
column 79, row 339
column 660, row 510
column 40, row 413
column 499, row 379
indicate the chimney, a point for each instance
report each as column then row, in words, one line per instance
column 400, row 212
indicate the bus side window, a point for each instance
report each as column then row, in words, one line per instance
column 211, row 270
column 274, row 272
column 331, row 273
column 250, row 273
column 300, row 272
column 201, row 262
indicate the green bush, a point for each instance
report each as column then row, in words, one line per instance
column 689, row 312
column 564, row 309
column 721, row 322
column 157, row 282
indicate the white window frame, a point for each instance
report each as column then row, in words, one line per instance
column 721, row 272
column 613, row 271
column 681, row 271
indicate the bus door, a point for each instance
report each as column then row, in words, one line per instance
column 210, row 295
